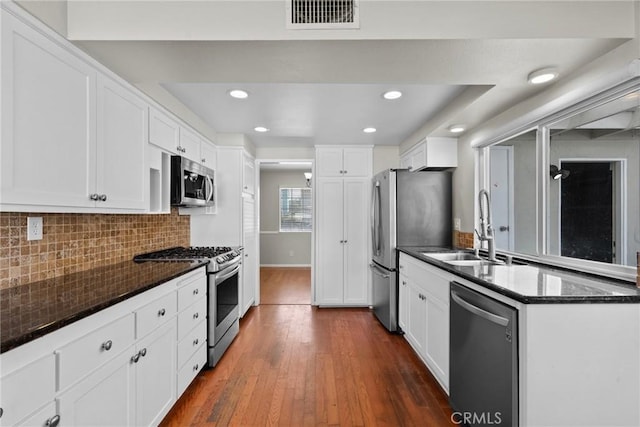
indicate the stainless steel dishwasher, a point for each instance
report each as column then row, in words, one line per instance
column 483, row 359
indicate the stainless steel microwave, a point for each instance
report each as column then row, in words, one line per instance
column 192, row 185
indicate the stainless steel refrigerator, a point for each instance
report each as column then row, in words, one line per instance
column 411, row 209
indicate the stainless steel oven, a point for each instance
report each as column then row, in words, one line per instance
column 223, row 309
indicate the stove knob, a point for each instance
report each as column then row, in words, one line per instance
column 219, row 259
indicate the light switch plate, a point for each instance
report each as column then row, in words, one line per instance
column 456, row 224
column 34, row 228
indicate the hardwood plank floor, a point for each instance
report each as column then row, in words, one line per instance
column 285, row 285
column 298, row 365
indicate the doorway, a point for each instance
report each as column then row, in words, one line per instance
column 590, row 213
column 285, row 224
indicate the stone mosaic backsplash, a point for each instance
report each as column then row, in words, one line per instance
column 462, row 239
column 78, row 242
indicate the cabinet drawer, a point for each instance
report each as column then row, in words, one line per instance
column 189, row 371
column 155, row 314
column 191, row 316
column 27, row 389
column 42, row 418
column 192, row 292
column 82, row 356
column 191, row 342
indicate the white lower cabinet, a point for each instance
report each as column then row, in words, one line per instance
column 118, row 367
column 155, row 379
column 424, row 314
column 104, row 398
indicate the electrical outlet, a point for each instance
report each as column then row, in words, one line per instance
column 34, row 228
column 456, row 224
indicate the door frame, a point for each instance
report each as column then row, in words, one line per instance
column 620, row 203
column 257, row 194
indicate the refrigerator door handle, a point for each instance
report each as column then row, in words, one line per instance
column 379, row 272
column 375, row 219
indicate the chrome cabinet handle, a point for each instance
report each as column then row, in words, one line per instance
column 135, row 358
column 203, row 160
column 195, row 368
column 195, row 316
column 106, row 346
column 162, row 312
column 103, row 197
column 504, row 228
column 143, row 352
column 94, row 197
column 53, row 421
column 1, row 412
column 195, row 291
column 196, row 341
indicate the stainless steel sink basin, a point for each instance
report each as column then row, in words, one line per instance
column 452, row 256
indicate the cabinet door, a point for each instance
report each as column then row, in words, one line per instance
column 356, row 248
column 48, row 121
column 329, row 162
column 356, row 162
column 248, row 175
column 122, row 135
column 419, row 157
column 164, row 132
column 416, row 319
column 403, row 299
column 104, row 398
column 330, row 258
column 437, row 340
column 406, row 162
column 209, row 155
column 190, row 145
column 249, row 276
column 155, row 374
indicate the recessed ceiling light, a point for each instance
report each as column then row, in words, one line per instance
column 392, row 94
column 261, row 129
column 238, row 93
column 542, row 76
column 457, row 128
column 369, row 130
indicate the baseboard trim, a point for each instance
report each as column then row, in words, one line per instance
column 286, row 265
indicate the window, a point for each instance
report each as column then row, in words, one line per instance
column 295, row 209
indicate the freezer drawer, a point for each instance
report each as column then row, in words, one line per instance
column 385, row 296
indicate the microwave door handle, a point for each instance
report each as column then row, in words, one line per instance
column 210, row 196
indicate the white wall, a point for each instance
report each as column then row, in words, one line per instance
column 278, row 248
column 385, row 157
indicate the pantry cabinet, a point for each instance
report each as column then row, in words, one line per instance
column 342, row 204
column 343, row 162
column 250, row 256
column 431, row 152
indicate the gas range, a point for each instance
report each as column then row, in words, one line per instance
column 219, row 257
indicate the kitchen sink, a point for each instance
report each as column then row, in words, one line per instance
column 452, row 256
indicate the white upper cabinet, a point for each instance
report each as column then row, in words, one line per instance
column 122, row 134
column 248, row 174
column 343, row 162
column 48, row 121
column 432, row 152
column 208, row 155
column 189, row 145
column 164, row 131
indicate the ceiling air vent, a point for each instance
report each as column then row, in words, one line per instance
column 322, row 14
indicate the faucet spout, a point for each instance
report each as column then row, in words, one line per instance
column 486, row 230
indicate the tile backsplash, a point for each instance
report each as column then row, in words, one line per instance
column 462, row 239
column 78, row 242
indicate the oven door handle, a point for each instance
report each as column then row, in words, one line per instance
column 222, row 277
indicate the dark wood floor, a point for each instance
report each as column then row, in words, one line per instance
column 285, row 285
column 298, row 365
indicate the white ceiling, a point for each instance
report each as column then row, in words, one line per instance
column 325, row 91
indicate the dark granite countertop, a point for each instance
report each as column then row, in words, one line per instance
column 533, row 283
column 30, row 311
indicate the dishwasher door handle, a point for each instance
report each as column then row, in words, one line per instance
column 502, row 321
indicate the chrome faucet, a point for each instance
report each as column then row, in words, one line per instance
column 486, row 230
